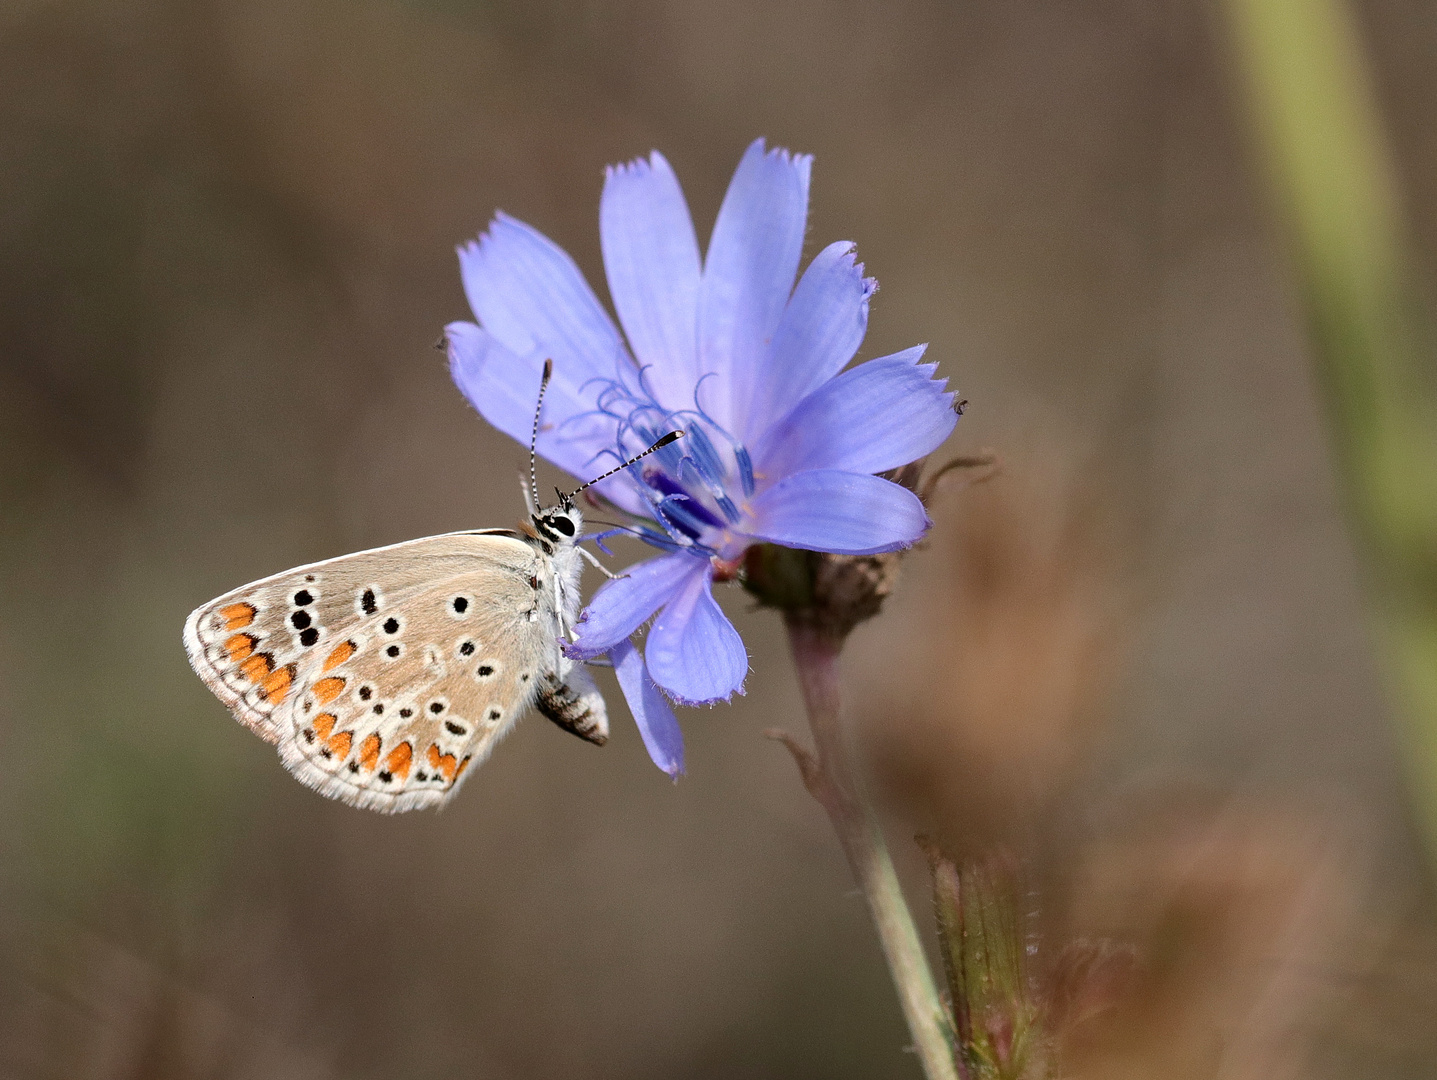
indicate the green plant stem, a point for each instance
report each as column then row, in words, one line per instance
column 830, row 779
column 1332, row 180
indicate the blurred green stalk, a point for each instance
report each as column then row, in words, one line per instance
column 1332, row 179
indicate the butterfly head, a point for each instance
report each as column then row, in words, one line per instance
column 559, row 524
column 563, row 524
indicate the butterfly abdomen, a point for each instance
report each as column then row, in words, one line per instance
column 575, row 704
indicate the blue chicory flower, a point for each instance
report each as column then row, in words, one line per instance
column 781, row 443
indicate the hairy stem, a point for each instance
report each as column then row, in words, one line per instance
column 830, row 779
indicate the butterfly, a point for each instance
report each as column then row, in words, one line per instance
column 385, row 676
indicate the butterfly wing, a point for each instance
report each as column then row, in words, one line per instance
column 385, row 674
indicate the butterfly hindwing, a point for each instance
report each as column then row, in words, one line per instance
column 384, row 675
column 410, row 698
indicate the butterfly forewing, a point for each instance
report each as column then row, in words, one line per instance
column 385, row 675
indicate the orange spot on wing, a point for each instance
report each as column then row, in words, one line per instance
column 463, row 765
column 399, row 760
column 238, row 616
column 328, row 689
column 369, row 752
column 324, row 724
column 240, row 646
column 442, row 763
column 341, row 743
column 340, row 655
column 277, row 685
column 257, row 666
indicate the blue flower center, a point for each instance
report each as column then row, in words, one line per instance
column 692, row 486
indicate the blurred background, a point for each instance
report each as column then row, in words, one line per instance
column 1137, row 657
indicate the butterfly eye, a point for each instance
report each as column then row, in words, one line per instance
column 562, row 524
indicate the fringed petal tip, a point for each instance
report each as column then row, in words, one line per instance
column 455, row 333
column 740, row 690
column 847, row 252
column 484, row 241
column 802, row 162
column 639, row 166
column 476, row 244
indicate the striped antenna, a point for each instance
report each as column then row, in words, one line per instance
column 534, row 435
column 673, row 436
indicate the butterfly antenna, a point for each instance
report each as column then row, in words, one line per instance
column 672, row 436
column 534, row 435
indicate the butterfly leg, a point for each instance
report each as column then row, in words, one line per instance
column 596, row 564
column 573, row 702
